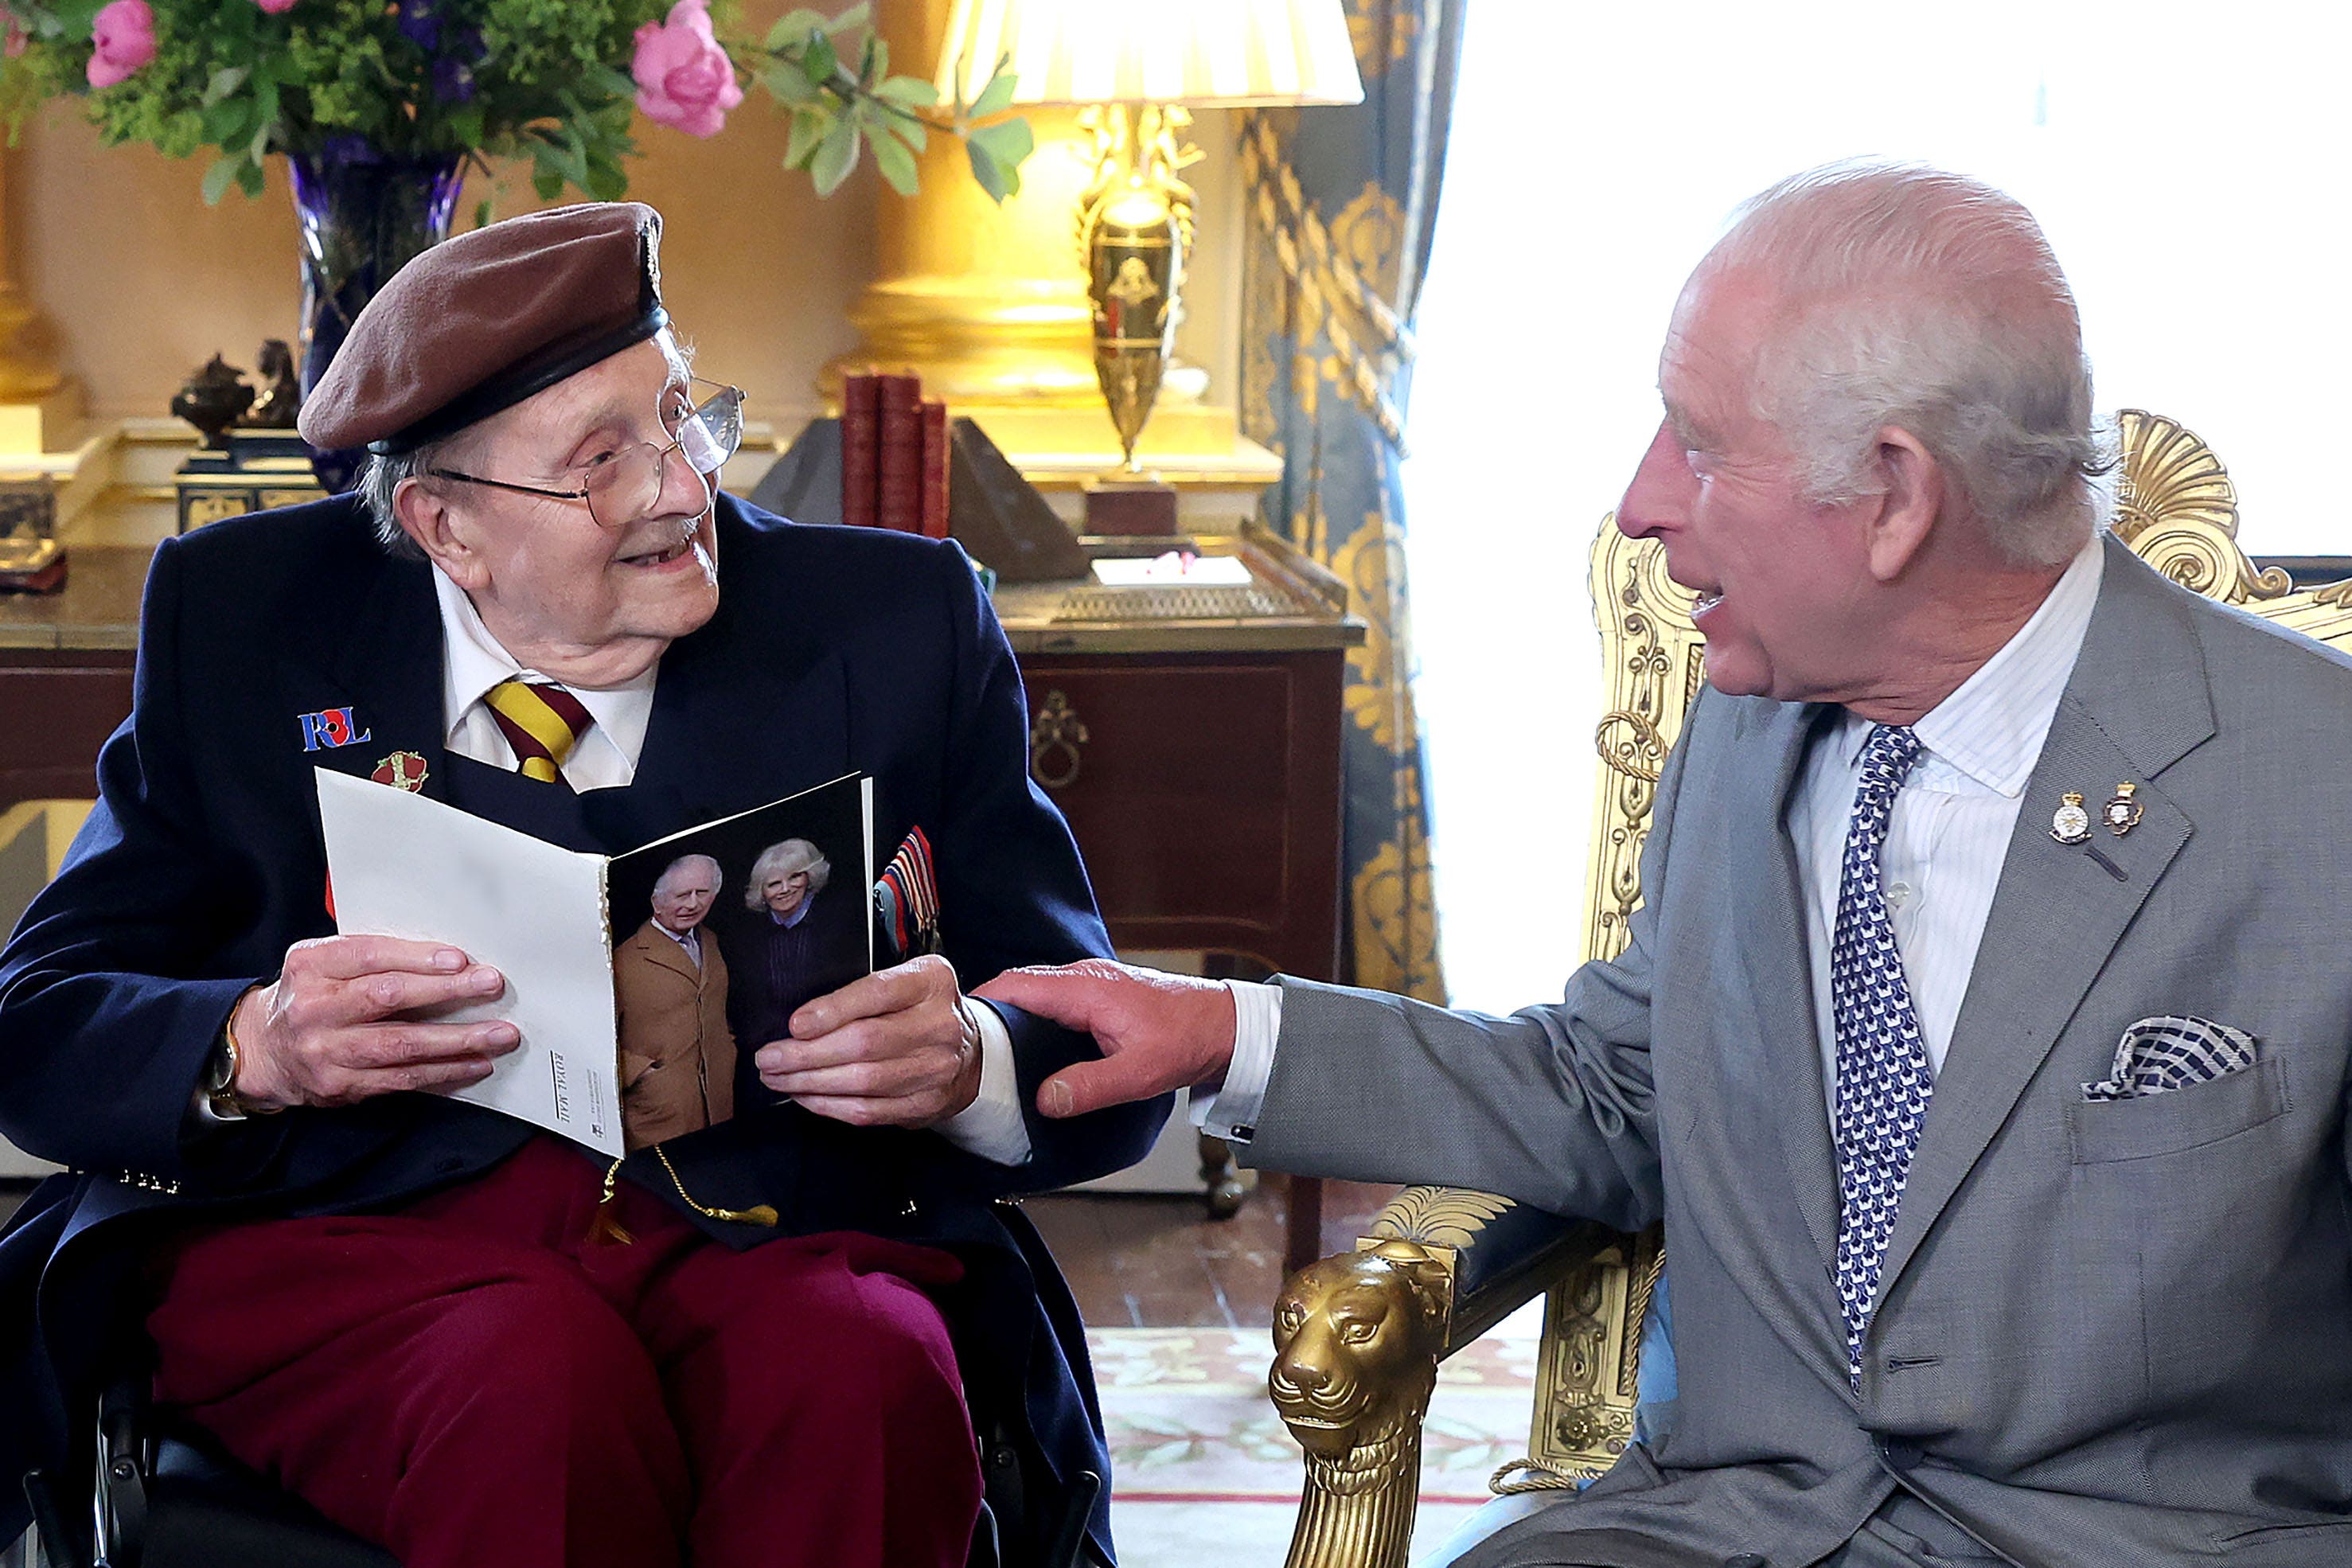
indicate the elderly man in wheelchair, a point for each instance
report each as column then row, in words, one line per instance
column 817, row 1331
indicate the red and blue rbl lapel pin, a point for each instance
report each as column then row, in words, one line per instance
column 330, row 728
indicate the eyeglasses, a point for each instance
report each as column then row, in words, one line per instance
column 624, row 486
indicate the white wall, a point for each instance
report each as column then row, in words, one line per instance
column 2187, row 164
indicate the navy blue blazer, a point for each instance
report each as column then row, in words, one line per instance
column 832, row 649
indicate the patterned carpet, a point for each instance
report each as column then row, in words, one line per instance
column 1206, row 1475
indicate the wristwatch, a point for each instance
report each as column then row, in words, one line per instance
column 220, row 1078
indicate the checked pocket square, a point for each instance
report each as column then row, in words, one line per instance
column 2158, row 1054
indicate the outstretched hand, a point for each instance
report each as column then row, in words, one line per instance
column 1157, row 1032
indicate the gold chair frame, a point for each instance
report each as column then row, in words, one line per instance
column 2177, row 508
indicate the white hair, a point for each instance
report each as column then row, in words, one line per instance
column 781, row 861
column 381, row 481
column 1929, row 301
column 691, row 863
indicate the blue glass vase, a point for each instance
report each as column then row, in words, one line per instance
column 364, row 214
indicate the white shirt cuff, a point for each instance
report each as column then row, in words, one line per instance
column 1230, row 1111
column 992, row 1126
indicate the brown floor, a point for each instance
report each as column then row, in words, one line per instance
column 1150, row 1261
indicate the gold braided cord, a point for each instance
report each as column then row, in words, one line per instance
column 1322, row 274
column 758, row 1213
column 1643, row 1285
column 1538, row 1478
column 606, row 1225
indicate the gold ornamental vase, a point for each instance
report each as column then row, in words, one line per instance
column 1135, row 260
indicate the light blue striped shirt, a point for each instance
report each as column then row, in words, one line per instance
column 1950, row 827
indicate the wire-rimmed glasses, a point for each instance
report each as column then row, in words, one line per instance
column 623, row 486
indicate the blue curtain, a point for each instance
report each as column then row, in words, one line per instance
column 1341, row 203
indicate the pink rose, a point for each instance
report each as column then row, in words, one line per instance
column 18, row 39
column 684, row 77
column 276, row 8
column 123, row 36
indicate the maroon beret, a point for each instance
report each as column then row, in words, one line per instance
column 482, row 321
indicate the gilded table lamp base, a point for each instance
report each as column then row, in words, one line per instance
column 1136, row 220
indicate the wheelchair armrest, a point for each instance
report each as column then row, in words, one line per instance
column 169, row 1498
column 124, row 1452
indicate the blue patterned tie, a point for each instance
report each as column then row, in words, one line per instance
column 1883, row 1082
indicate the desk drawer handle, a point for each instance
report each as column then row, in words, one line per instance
column 1057, row 728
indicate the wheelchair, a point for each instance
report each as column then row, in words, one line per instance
column 161, row 1495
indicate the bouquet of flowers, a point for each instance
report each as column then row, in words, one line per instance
column 553, row 82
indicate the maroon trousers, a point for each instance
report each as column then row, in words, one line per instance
column 471, row 1381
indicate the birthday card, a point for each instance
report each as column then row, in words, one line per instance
column 642, row 984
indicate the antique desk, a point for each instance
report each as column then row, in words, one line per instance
column 1192, row 735
column 65, row 674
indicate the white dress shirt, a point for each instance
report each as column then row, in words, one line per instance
column 1946, row 839
column 1950, row 830
column 473, row 661
column 687, row 939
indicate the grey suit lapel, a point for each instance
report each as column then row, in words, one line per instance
column 1771, row 941
column 2136, row 702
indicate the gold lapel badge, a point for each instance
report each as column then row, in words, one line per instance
column 402, row 769
column 2123, row 810
column 2070, row 823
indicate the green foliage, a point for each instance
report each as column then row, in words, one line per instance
column 996, row 97
column 542, row 81
column 838, row 112
column 997, row 153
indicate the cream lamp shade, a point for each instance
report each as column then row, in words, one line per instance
column 1204, row 54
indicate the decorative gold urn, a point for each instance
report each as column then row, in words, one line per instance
column 1128, row 67
column 1137, row 219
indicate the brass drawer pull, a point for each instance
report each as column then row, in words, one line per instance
column 1056, row 727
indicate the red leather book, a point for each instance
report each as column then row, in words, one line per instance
column 47, row 578
column 935, row 468
column 900, row 493
column 861, row 449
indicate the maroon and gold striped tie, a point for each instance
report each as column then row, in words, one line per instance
column 542, row 721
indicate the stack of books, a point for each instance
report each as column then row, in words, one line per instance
column 894, row 455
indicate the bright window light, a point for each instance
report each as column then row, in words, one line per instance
column 2187, row 162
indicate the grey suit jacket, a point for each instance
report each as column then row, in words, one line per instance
column 2109, row 1334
